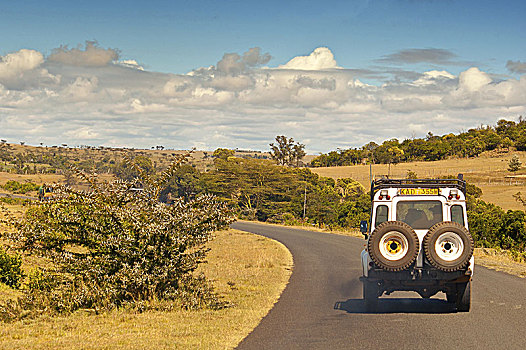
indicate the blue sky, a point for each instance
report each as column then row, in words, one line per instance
column 178, row 36
column 382, row 44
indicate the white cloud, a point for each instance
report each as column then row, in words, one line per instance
column 432, row 77
column 473, row 80
column 91, row 56
column 320, row 59
column 23, row 69
column 81, row 88
column 139, row 107
column 232, row 83
column 83, row 134
column 234, row 64
column 86, row 95
column 14, row 64
column 130, row 64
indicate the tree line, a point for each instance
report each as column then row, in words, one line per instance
column 504, row 135
column 261, row 190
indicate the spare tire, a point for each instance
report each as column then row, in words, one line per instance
column 448, row 246
column 393, row 245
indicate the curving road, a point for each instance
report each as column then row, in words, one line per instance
column 322, row 306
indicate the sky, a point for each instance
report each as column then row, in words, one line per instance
column 235, row 74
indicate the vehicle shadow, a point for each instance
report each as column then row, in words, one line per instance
column 398, row 305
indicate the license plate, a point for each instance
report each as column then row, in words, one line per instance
column 419, row 191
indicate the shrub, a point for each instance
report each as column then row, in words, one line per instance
column 20, row 187
column 10, row 269
column 113, row 246
column 411, row 175
column 493, row 227
column 514, row 164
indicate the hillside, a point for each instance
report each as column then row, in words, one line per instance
column 500, row 138
column 488, row 171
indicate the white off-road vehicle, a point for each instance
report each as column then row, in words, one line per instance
column 418, row 241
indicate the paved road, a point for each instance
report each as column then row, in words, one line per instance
column 19, row 196
column 322, row 306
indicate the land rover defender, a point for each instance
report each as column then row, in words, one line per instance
column 418, row 240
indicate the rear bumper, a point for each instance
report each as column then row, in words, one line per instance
column 418, row 275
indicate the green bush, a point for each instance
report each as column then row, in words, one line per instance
column 20, row 187
column 493, row 227
column 514, row 164
column 113, row 246
column 10, row 269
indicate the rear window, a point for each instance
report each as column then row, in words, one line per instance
column 457, row 214
column 382, row 214
column 419, row 214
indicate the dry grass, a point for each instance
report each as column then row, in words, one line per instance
column 36, row 178
column 500, row 261
column 15, row 210
column 488, row 171
column 248, row 270
column 43, row 179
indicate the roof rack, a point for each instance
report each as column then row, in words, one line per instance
column 378, row 184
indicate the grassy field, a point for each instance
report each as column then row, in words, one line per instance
column 488, row 171
column 247, row 270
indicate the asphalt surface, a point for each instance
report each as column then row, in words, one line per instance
column 19, row 196
column 322, row 306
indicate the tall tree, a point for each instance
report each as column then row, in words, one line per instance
column 286, row 152
column 281, row 151
column 298, row 152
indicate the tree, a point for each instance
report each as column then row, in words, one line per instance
column 69, row 177
column 514, row 164
column 223, row 153
column 257, row 189
column 130, row 168
column 369, row 150
column 520, row 144
column 286, row 152
column 184, row 183
column 507, row 143
column 298, row 152
column 281, row 151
